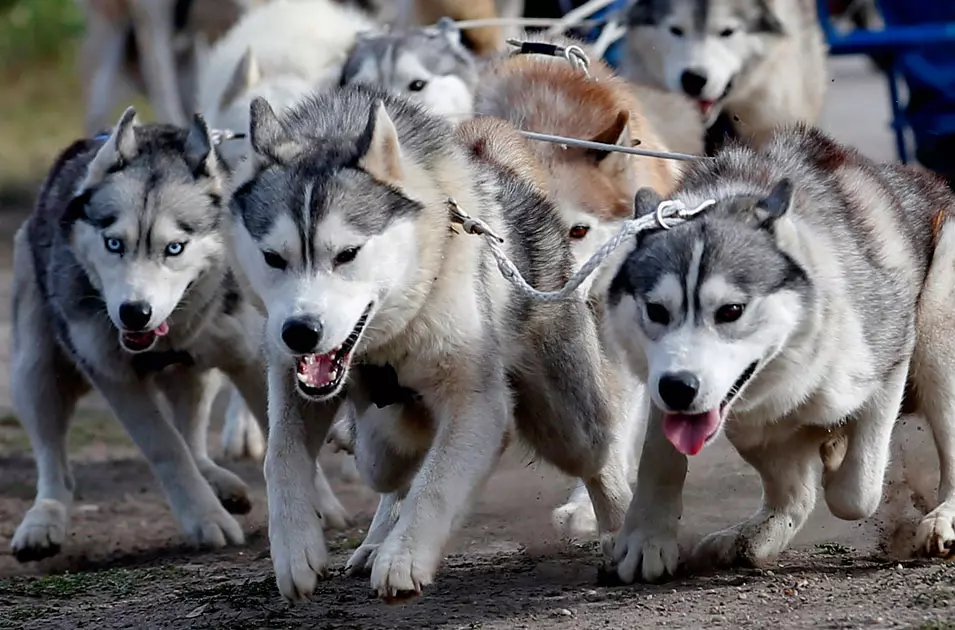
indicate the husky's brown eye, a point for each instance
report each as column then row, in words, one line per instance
column 578, row 232
column 676, row 31
column 417, row 85
column 658, row 313
column 274, row 261
column 346, row 255
column 728, row 313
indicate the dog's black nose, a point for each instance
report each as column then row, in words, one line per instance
column 301, row 334
column 692, row 82
column 678, row 389
column 135, row 315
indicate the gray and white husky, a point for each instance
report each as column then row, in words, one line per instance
column 429, row 65
column 121, row 283
column 343, row 231
column 793, row 316
column 762, row 63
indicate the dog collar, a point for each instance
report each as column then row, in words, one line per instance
column 153, row 362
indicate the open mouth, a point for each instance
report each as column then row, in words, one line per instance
column 689, row 432
column 142, row 340
column 705, row 107
column 320, row 375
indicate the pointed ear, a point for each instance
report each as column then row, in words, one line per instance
column 200, row 154
column 615, row 165
column 768, row 22
column 244, row 77
column 119, row 148
column 775, row 205
column 645, row 202
column 382, row 160
column 445, row 27
column 268, row 135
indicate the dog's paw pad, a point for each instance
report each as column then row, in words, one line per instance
column 214, row 529
column 299, row 555
column 575, row 519
column 362, row 560
column 42, row 532
column 398, row 574
column 650, row 558
column 935, row 535
column 231, row 491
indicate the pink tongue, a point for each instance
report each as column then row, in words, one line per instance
column 705, row 107
column 688, row 433
column 319, row 370
column 162, row 330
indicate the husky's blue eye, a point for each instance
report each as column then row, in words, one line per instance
column 728, row 313
column 346, row 255
column 175, row 248
column 113, row 245
column 658, row 313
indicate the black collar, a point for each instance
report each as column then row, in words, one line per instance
column 152, row 362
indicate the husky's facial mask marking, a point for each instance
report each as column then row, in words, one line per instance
column 323, row 222
column 713, row 300
column 704, row 45
column 144, row 233
column 428, row 65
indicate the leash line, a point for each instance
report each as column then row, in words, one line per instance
column 601, row 146
column 668, row 214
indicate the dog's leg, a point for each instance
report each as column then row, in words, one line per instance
column 191, row 394
column 152, row 20
column 789, row 480
column 252, row 389
column 241, row 435
column 934, row 383
column 297, row 429
column 200, row 514
column 390, row 444
column 44, row 387
column 363, row 559
column 102, row 50
column 853, row 490
column 646, row 547
column 471, row 428
column 576, row 518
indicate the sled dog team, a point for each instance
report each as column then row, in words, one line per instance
column 310, row 265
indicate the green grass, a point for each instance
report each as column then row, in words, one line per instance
column 41, row 96
column 66, row 586
column 88, row 427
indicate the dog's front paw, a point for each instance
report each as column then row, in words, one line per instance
column 645, row 555
column 362, row 560
column 720, row 549
column 341, row 435
column 402, row 569
column 42, row 532
column 241, row 435
column 298, row 552
column 756, row 542
column 232, row 492
column 576, row 518
column 210, row 526
column 935, row 535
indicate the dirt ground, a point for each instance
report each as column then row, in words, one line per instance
column 124, row 565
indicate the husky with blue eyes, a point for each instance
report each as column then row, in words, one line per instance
column 122, row 284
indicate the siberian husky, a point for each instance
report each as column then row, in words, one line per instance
column 793, row 316
column 761, row 63
column 280, row 51
column 121, row 283
column 429, row 65
column 344, row 232
column 154, row 46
